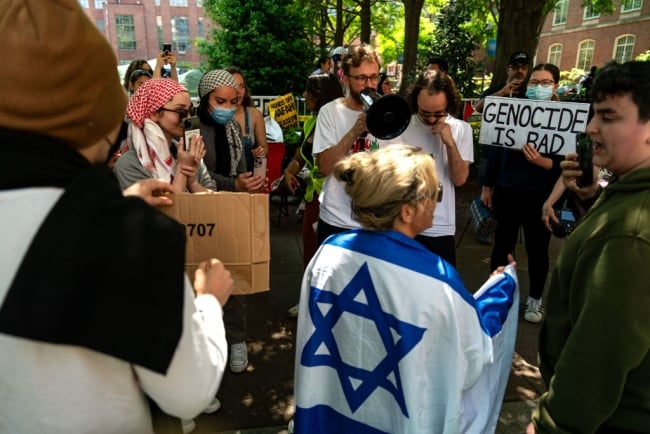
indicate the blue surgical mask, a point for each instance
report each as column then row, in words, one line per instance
column 539, row 92
column 222, row 116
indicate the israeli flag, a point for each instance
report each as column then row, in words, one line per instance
column 390, row 341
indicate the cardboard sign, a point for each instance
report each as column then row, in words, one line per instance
column 283, row 110
column 232, row 227
column 551, row 126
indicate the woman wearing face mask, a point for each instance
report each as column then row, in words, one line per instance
column 224, row 151
column 516, row 185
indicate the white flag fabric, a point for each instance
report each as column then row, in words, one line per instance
column 390, row 341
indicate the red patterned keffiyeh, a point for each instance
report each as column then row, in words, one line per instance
column 146, row 136
column 150, row 97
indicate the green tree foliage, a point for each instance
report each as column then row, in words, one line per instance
column 454, row 41
column 265, row 38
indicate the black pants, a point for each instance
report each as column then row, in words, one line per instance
column 324, row 230
column 441, row 246
column 513, row 210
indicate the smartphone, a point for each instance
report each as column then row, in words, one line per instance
column 167, row 48
column 583, row 148
column 191, row 127
column 259, row 166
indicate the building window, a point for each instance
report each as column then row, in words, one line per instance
column 181, row 34
column 561, row 9
column 199, row 3
column 631, row 5
column 623, row 48
column 159, row 29
column 125, row 29
column 590, row 13
column 555, row 54
column 99, row 22
column 585, row 54
column 199, row 28
column 181, row 3
column 157, row 2
column 84, row 4
column 99, row 4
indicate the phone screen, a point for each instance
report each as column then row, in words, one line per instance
column 567, row 215
column 167, row 48
column 583, row 148
column 191, row 127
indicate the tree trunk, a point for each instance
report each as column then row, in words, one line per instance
column 338, row 31
column 412, row 9
column 518, row 29
column 364, row 15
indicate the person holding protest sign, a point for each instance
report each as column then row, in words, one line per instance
column 594, row 348
column 449, row 141
column 340, row 130
column 250, row 120
column 97, row 315
column 515, row 184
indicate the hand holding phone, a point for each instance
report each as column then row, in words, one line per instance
column 191, row 127
column 583, row 148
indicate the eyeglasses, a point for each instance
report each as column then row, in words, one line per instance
column 427, row 115
column 545, row 83
column 181, row 112
column 361, row 79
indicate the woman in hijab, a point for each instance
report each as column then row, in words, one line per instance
column 224, row 151
column 157, row 110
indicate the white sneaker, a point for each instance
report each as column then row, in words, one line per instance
column 188, row 425
column 534, row 310
column 238, row 357
column 213, row 406
column 293, row 311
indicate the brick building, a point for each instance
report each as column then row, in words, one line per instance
column 138, row 28
column 575, row 37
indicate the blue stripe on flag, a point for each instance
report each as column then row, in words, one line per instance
column 493, row 305
column 323, row 419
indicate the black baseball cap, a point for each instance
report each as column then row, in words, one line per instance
column 519, row 58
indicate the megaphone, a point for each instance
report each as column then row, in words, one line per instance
column 387, row 116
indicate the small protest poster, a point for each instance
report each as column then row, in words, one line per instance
column 551, row 126
column 283, row 109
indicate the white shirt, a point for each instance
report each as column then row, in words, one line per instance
column 335, row 119
column 418, row 134
column 49, row 388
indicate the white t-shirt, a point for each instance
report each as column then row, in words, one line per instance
column 55, row 388
column 418, row 134
column 335, row 119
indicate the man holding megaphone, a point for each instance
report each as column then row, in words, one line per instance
column 342, row 129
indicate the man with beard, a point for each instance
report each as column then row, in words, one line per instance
column 341, row 130
column 517, row 70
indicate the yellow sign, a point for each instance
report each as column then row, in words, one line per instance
column 283, row 110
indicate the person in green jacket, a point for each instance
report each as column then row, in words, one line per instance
column 319, row 90
column 594, row 346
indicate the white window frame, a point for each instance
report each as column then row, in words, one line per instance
column 560, row 11
column 553, row 52
column 625, row 45
column 581, row 47
column 631, row 5
column 591, row 16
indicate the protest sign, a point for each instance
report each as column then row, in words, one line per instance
column 549, row 125
column 284, row 111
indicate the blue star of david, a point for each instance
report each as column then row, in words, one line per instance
column 379, row 376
